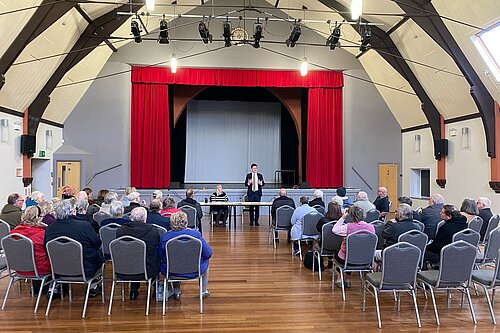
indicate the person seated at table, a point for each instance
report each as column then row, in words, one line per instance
column 220, row 213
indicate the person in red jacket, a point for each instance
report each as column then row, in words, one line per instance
column 32, row 228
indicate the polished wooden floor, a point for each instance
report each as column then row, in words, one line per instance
column 253, row 288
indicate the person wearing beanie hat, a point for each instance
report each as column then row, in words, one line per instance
column 341, row 194
column 135, row 201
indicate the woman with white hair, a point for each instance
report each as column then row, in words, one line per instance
column 317, row 199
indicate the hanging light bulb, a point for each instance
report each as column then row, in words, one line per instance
column 356, row 9
column 173, row 64
column 150, row 5
column 303, row 67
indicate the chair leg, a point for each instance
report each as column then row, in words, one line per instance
column 377, row 307
column 399, row 301
column 414, row 296
column 300, row 250
column 342, row 284
column 149, row 297
column 42, row 283
column 319, row 264
column 490, row 305
column 102, row 290
column 201, row 294
column 8, row 291
column 111, row 297
column 70, row 294
column 164, row 294
column 493, row 298
column 86, row 300
column 363, row 286
column 53, row 286
column 123, row 292
column 434, row 305
column 471, row 307
column 448, row 298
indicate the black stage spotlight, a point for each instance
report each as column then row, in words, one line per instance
column 366, row 36
column 163, row 35
column 333, row 39
column 257, row 35
column 226, row 27
column 204, row 33
column 294, row 36
column 136, row 31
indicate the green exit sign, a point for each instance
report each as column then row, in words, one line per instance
column 41, row 153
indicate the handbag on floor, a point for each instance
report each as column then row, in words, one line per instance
column 310, row 262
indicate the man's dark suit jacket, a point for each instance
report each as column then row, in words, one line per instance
column 154, row 217
column 249, row 186
column 430, row 217
column 486, row 215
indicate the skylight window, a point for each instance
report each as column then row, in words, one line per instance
column 487, row 43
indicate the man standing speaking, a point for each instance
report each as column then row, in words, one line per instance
column 254, row 182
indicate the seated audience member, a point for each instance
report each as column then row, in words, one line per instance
column 338, row 200
column 344, row 229
column 11, row 212
column 35, row 198
column 317, row 199
column 154, row 216
column 342, row 195
column 469, row 209
column 157, row 194
column 282, row 200
column 68, row 192
column 91, row 210
column 108, row 199
column 81, row 231
column 124, row 199
column 48, row 215
column 363, row 202
column 81, row 207
column 190, row 201
column 298, row 222
column 431, row 215
column 382, row 202
column 134, row 199
column 32, row 228
column 484, row 206
column 409, row 202
column 116, row 211
column 333, row 213
column 403, row 223
column 220, row 212
column 90, row 199
column 178, row 223
column 100, row 197
column 453, row 223
column 168, row 207
column 137, row 227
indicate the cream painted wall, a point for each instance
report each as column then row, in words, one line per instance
column 467, row 169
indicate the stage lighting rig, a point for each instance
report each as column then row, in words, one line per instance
column 226, row 28
column 333, row 39
column 204, row 33
column 163, row 35
column 366, row 36
column 136, row 31
column 294, row 36
column 257, row 35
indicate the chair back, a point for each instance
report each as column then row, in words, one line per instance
column 457, row 260
column 492, row 246
column 107, row 234
column 128, row 255
column 66, row 259
column 439, row 225
column 421, row 224
column 329, row 240
column 19, row 253
column 492, row 224
column 372, row 215
column 309, row 224
column 496, row 280
column 468, row 235
column 191, row 215
column 161, row 230
column 400, row 267
column 4, row 230
column 476, row 224
column 320, row 209
column 183, row 254
column 284, row 217
column 417, row 238
column 379, row 227
column 360, row 250
column 100, row 216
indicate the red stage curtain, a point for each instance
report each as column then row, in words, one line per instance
column 238, row 77
column 150, row 136
column 324, row 138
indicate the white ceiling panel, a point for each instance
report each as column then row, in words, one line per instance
column 64, row 99
column 389, row 13
column 12, row 24
column 25, row 80
column 94, row 10
column 449, row 92
column 485, row 15
column 404, row 104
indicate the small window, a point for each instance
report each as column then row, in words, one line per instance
column 488, row 47
column 420, row 183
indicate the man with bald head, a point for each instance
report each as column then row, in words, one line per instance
column 431, row 215
column 382, row 202
column 363, row 202
column 190, row 201
column 282, row 200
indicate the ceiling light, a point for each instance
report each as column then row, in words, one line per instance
column 136, row 31
column 204, row 33
column 257, row 35
column 150, row 5
column 163, row 34
column 294, row 36
column 173, row 64
column 226, row 28
column 356, row 9
column 303, row 67
column 333, row 39
column 366, row 36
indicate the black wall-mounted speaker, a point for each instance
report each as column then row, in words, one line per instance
column 441, row 147
column 305, row 185
column 28, row 144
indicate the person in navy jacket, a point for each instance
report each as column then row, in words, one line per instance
column 254, row 182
